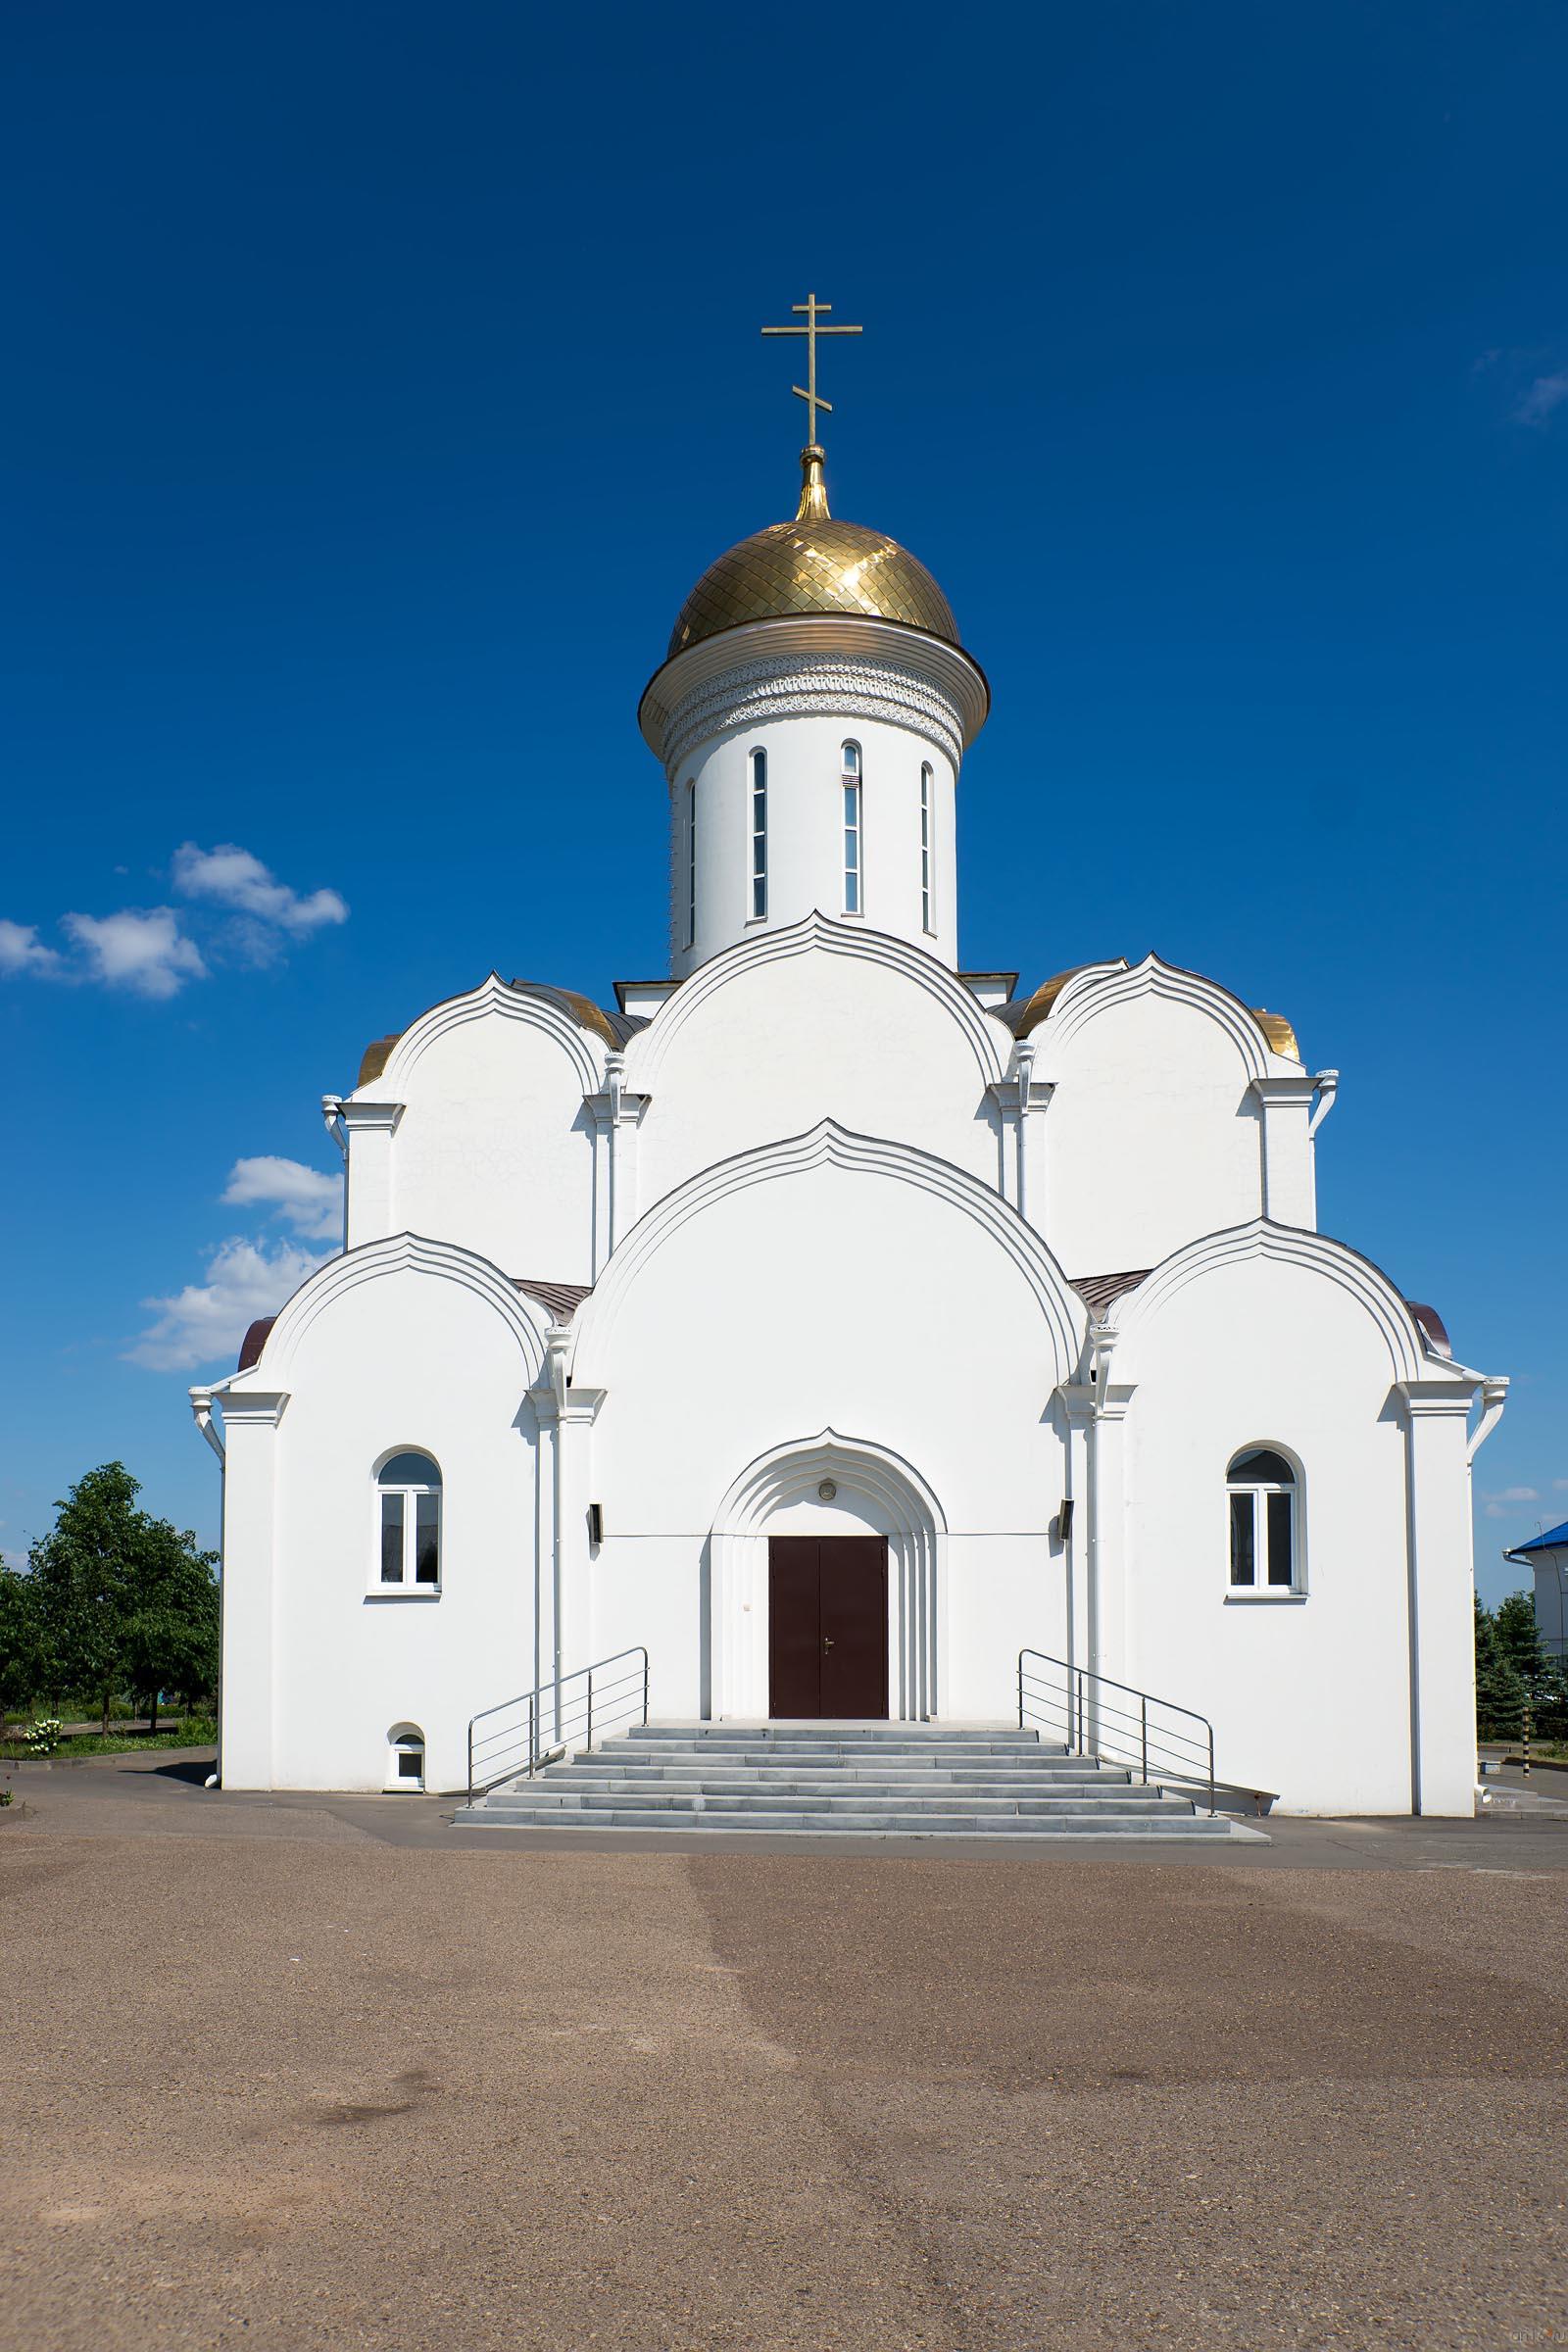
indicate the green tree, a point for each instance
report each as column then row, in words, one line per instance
column 1499, row 1685
column 23, row 1655
column 1519, row 1636
column 172, row 1635
column 125, row 1602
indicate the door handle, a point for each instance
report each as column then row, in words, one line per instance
column 827, row 1641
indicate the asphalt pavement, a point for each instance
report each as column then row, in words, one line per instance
column 324, row 2072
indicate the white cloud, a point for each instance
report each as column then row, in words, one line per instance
column 201, row 1325
column 1560, row 1485
column 1505, row 1503
column 1544, row 397
column 23, row 950
column 312, row 1203
column 142, row 948
column 234, row 878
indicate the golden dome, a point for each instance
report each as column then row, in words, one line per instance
column 814, row 565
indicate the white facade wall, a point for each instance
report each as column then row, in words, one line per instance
column 319, row 1664
column 1310, row 1693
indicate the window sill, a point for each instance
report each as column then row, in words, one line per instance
column 1264, row 1600
column 391, row 1593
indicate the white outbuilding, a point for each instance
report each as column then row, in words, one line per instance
column 837, row 1325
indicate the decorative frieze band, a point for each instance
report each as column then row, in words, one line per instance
column 756, row 692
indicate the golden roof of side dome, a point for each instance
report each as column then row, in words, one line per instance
column 814, row 565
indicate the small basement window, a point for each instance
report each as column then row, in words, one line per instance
column 406, row 1759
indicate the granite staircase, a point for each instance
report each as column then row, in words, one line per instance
column 903, row 1780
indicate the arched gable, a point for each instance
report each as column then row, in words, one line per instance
column 372, row 1261
column 986, row 1040
column 793, row 1471
column 1101, row 989
column 555, row 1013
column 491, row 1145
column 819, row 1019
column 1136, row 1310
column 830, row 1145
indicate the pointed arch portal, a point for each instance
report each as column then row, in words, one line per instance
column 872, row 1492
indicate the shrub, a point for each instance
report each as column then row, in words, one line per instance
column 43, row 1736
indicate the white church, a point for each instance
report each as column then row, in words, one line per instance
column 832, row 1335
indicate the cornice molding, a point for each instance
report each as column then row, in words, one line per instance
column 799, row 640
column 253, row 1408
column 753, row 694
column 988, row 1041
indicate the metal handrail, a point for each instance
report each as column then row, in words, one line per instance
column 508, row 1752
column 1079, row 1702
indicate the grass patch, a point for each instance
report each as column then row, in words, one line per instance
column 198, row 1731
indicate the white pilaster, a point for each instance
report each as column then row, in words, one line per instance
column 1022, row 1099
column 1290, row 1194
column 1107, row 1613
column 1072, row 1551
column 250, row 1608
column 564, row 1614
column 369, row 1128
column 616, row 1116
column 1441, row 1584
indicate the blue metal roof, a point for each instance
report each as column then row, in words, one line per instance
column 1550, row 1542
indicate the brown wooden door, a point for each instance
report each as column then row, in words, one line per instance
column 827, row 1625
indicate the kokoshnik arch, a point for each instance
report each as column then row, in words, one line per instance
column 820, row 1237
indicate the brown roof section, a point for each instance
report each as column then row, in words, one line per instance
column 560, row 1300
column 1101, row 1292
column 255, row 1339
column 1431, row 1325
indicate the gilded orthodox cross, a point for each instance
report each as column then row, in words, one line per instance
column 814, row 311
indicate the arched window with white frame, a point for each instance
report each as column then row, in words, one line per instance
column 1264, row 1492
column 926, row 786
column 408, row 1557
column 853, row 871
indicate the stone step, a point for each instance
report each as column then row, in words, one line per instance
column 590, row 1774
column 870, row 1751
column 893, row 1774
column 922, row 1822
column 921, row 1734
column 794, row 1800
column 837, row 1779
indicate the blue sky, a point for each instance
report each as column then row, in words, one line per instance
column 380, row 377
